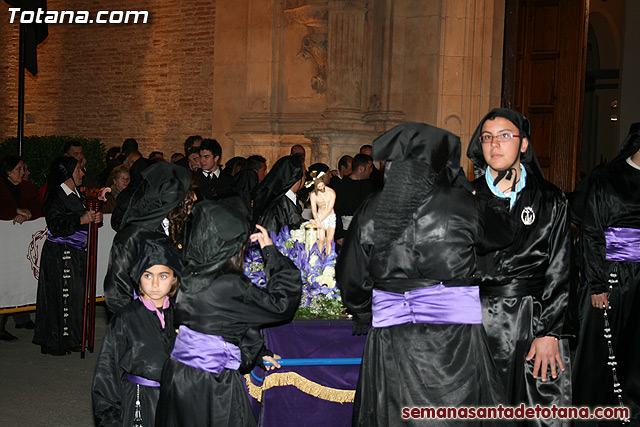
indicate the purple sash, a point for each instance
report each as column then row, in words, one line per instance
column 141, row 380
column 623, row 244
column 434, row 304
column 209, row 353
column 77, row 240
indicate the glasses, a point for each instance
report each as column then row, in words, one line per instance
column 124, row 179
column 503, row 137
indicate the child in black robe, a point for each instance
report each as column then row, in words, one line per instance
column 219, row 313
column 138, row 340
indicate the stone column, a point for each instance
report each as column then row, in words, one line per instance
column 345, row 59
column 470, row 65
column 386, row 63
column 342, row 129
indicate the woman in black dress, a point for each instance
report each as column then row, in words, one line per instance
column 63, row 261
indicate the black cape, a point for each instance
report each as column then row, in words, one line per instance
column 62, row 274
column 244, row 182
column 124, row 198
column 613, row 200
column 283, row 212
column 271, row 207
column 235, row 309
column 227, row 305
column 134, row 343
column 525, row 287
column 524, row 291
column 164, row 186
column 435, row 241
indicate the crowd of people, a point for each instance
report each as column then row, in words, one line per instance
column 467, row 290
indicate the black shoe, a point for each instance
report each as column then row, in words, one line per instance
column 26, row 325
column 6, row 336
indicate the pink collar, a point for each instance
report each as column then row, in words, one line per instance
column 152, row 307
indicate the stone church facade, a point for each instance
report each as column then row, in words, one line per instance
column 262, row 75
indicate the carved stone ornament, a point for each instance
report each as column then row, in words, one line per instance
column 314, row 44
column 314, row 47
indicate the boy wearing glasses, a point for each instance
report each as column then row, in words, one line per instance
column 524, row 288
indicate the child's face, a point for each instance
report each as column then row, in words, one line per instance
column 156, row 283
column 500, row 155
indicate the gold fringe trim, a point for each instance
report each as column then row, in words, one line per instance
column 281, row 379
column 254, row 390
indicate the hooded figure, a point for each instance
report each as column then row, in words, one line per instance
column 628, row 148
column 63, row 261
column 136, row 344
column 61, row 169
column 528, row 157
column 630, row 145
column 407, row 268
column 220, row 313
column 524, row 288
column 244, row 182
column 274, row 199
column 164, row 188
column 124, row 198
column 610, row 239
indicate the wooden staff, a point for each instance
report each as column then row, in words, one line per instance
column 89, row 312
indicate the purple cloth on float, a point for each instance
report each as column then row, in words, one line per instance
column 77, row 240
column 623, row 244
column 210, row 353
column 141, row 380
column 288, row 406
column 439, row 304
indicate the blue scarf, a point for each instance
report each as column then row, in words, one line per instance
column 514, row 194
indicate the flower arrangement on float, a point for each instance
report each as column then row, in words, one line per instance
column 320, row 294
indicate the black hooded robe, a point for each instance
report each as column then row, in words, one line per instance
column 164, row 186
column 134, row 343
column 272, row 208
column 283, row 212
column 244, row 181
column 613, row 200
column 226, row 305
column 62, row 273
column 124, row 198
column 524, row 288
column 418, row 364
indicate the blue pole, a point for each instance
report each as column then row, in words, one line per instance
column 318, row 362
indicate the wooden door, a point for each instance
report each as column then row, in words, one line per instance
column 543, row 78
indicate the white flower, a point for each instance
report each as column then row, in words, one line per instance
column 313, row 260
column 297, row 235
column 327, row 281
column 329, row 271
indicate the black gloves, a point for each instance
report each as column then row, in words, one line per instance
column 360, row 328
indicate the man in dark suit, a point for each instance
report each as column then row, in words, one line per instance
column 214, row 182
